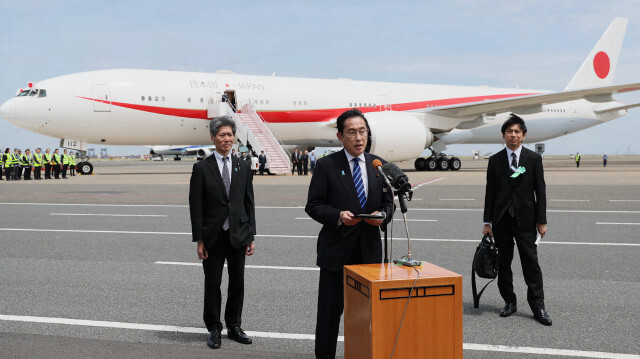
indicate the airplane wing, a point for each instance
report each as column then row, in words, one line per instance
column 531, row 103
column 617, row 108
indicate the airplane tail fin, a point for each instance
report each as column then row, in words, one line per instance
column 600, row 66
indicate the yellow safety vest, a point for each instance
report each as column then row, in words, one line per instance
column 37, row 160
column 56, row 158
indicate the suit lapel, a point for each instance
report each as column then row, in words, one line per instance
column 215, row 171
column 344, row 174
column 235, row 173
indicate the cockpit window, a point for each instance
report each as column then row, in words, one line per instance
column 23, row 93
column 33, row 92
column 42, row 93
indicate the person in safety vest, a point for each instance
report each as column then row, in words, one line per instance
column 56, row 164
column 17, row 168
column 48, row 160
column 7, row 162
column 26, row 163
column 65, row 164
column 72, row 164
column 37, row 164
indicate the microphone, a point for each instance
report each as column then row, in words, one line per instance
column 398, row 179
column 377, row 164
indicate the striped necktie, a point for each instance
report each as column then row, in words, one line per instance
column 514, row 160
column 357, row 180
column 227, row 185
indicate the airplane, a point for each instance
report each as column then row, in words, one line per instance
column 143, row 107
column 182, row 150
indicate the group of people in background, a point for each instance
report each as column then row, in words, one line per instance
column 300, row 162
column 17, row 165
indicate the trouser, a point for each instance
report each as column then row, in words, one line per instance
column 27, row 173
column 577, row 163
column 330, row 308
column 504, row 233
column 56, row 171
column 213, row 268
column 64, row 171
column 299, row 169
column 47, row 171
column 305, row 169
column 37, row 172
column 8, row 173
column 17, row 172
column 262, row 169
column 72, row 170
column 313, row 166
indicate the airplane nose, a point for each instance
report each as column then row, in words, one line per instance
column 7, row 111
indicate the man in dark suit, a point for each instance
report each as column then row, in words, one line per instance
column 304, row 160
column 515, row 208
column 295, row 160
column 262, row 160
column 344, row 184
column 223, row 224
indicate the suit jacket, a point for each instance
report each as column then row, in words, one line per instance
column 295, row 157
column 331, row 191
column 527, row 191
column 262, row 159
column 209, row 204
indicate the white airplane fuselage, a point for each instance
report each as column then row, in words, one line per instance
column 147, row 107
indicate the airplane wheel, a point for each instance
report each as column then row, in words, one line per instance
column 85, row 168
column 455, row 163
column 443, row 164
column 420, row 164
column 431, row 164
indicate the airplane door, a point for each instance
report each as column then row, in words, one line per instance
column 384, row 104
column 101, row 98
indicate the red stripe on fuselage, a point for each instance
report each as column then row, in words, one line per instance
column 178, row 112
column 311, row 115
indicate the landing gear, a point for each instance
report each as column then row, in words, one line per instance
column 438, row 162
column 177, row 158
column 84, row 168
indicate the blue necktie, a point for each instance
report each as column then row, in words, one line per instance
column 357, row 180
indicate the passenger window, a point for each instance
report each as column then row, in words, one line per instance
column 142, row 98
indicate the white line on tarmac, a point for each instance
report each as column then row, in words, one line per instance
column 456, row 199
column 298, row 236
column 107, row 215
column 427, row 182
column 624, row 200
column 569, row 200
column 203, row 331
column 299, row 207
column 396, row 219
column 246, row 266
column 620, row 224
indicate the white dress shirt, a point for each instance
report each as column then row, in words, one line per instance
column 363, row 170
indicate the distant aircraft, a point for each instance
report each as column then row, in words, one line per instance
column 145, row 107
column 183, row 150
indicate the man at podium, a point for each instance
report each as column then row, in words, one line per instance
column 344, row 185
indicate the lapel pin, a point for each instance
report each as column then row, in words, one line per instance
column 343, row 173
column 518, row 172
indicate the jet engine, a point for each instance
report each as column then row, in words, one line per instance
column 204, row 153
column 397, row 136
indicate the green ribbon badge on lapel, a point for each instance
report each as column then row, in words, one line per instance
column 518, row 172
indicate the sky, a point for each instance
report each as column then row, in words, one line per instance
column 525, row 44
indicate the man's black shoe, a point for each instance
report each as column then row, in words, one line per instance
column 214, row 340
column 235, row 333
column 508, row 309
column 542, row 317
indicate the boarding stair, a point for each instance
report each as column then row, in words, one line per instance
column 260, row 138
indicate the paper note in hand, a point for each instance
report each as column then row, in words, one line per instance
column 538, row 238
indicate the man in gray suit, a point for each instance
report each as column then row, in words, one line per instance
column 223, row 224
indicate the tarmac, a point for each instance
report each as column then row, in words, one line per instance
column 103, row 266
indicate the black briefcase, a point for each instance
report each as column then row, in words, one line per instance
column 485, row 265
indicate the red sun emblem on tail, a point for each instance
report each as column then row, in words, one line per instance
column 601, row 64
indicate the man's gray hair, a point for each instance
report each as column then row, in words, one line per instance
column 218, row 122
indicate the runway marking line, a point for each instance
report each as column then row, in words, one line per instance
column 296, row 336
column 420, row 184
column 250, row 266
column 569, row 200
column 107, row 215
column 620, row 223
column 396, row 219
column 302, row 207
column 456, row 199
column 301, row 236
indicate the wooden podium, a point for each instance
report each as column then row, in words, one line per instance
column 375, row 297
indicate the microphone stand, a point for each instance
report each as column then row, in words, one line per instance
column 402, row 192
